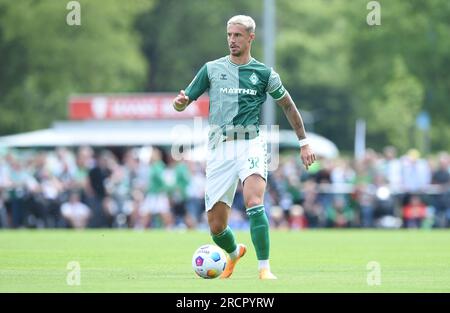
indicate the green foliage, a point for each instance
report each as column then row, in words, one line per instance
column 394, row 113
column 417, row 32
column 313, row 61
column 336, row 66
column 180, row 36
column 46, row 60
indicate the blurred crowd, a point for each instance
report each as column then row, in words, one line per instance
column 144, row 188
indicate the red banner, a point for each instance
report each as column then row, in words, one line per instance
column 132, row 107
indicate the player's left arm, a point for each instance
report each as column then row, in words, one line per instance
column 277, row 91
column 295, row 119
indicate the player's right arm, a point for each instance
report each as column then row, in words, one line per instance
column 196, row 88
column 181, row 101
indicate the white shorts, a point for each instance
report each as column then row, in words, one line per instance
column 155, row 204
column 230, row 161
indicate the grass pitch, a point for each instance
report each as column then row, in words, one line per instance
column 160, row 261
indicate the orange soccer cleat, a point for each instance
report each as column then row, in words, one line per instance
column 265, row 273
column 229, row 268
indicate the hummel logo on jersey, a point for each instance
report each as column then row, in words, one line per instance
column 238, row 91
column 254, row 79
column 223, row 76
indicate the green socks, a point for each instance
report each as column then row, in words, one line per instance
column 259, row 230
column 226, row 240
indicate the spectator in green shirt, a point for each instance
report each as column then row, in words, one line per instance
column 156, row 203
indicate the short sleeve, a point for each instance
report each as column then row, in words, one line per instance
column 199, row 84
column 274, row 87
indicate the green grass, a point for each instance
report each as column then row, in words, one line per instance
column 160, row 261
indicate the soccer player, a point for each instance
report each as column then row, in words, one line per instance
column 238, row 86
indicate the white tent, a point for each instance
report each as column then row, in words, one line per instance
column 320, row 145
column 144, row 133
column 102, row 133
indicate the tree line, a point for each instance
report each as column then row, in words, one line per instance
column 336, row 66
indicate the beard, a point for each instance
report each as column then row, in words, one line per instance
column 236, row 53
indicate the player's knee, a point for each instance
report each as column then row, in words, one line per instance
column 217, row 227
column 253, row 201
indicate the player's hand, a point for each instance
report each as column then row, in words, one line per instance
column 181, row 101
column 307, row 155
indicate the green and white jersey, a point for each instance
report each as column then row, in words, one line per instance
column 236, row 92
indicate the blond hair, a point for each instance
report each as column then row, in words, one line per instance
column 243, row 20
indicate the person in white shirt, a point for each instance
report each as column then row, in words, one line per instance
column 75, row 213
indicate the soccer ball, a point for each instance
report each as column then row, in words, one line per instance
column 209, row 261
